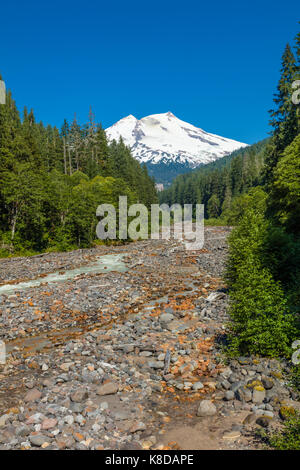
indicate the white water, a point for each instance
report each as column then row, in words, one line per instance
column 104, row 264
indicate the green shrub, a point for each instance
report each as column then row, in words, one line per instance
column 220, row 222
column 258, row 309
column 260, row 322
column 294, row 378
column 254, row 199
column 281, row 254
column 246, row 244
column 289, row 437
column 284, row 200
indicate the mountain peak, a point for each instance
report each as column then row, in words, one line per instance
column 165, row 139
column 130, row 117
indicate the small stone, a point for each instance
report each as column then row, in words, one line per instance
column 231, row 435
column 69, row 420
column 244, row 394
column 250, row 419
column 38, row 440
column 49, row 423
column 35, row 418
column 197, row 386
column 267, row 382
column 138, row 426
column 226, row 373
column 110, row 388
column 22, row 430
column 79, row 396
column 264, row 421
column 66, row 366
column 229, row 395
column 156, row 364
column 76, row 407
column 132, row 446
column 225, row 384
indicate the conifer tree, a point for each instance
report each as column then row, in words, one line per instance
column 284, row 116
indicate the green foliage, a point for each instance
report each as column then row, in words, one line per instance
column 213, row 206
column 218, row 222
column 260, row 322
column 281, row 254
column 254, row 198
column 294, row 378
column 285, row 192
column 246, row 244
column 289, row 437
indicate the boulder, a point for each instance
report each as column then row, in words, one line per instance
column 206, row 408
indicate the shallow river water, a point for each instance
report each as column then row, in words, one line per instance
column 104, row 263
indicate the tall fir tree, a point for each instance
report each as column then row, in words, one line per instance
column 284, row 117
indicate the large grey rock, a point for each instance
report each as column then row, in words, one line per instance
column 244, row 394
column 229, row 395
column 267, row 382
column 258, row 396
column 23, row 430
column 166, row 317
column 156, row 364
column 79, row 396
column 3, row 419
column 38, row 440
column 206, row 408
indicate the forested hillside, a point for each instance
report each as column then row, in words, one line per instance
column 217, row 184
column 52, row 180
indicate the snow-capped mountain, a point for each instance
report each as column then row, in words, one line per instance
column 163, row 139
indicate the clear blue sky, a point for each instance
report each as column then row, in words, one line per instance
column 212, row 63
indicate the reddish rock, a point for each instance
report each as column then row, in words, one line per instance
column 49, row 423
column 32, row 395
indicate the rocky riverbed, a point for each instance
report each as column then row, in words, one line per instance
column 131, row 358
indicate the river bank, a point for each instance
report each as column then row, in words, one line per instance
column 130, row 358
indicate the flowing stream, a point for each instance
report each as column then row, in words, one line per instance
column 103, row 264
